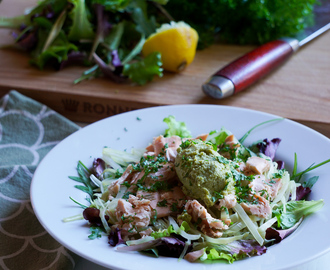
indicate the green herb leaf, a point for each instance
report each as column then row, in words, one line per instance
column 56, row 29
column 95, row 232
column 310, row 182
column 144, row 25
column 297, row 176
column 253, row 128
column 144, row 70
column 83, row 178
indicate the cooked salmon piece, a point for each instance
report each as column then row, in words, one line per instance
column 167, row 145
column 174, row 200
column 165, row 173
column 258, row 206
column 164, row 202
column 229, row 201
column 208, row 225
column 114, row 187
column 133, row 215
column 244, row 169
column 202, row 137
column 258, row 165
column 267, row 188
column 275, row 185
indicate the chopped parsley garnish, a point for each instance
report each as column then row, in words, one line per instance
column 174, row 207
column 186, row 144
column 226, row 148
column 279, row 174
column 162, row 203
column 126, row 195
column 225, row 209
column 216, row 196
column 264, row 192
column 95, row 232
column 126, row 184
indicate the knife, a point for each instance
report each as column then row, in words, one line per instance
column 251, row 67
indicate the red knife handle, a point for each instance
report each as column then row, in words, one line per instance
column 252, row 66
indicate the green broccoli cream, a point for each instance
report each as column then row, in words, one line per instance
column 204, row 173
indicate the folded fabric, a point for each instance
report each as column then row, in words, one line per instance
column 28, row 131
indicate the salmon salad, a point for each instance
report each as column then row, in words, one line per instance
column 199, row 198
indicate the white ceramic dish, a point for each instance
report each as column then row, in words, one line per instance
column 51, row 187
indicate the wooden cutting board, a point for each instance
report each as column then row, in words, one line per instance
column 299, row 90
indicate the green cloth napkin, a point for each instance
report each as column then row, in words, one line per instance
column 28, row 131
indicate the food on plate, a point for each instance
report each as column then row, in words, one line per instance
column 176, row 42
column 202, row 198
column 202, row 175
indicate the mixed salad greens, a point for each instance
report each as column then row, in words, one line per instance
column 153, row 200
column 108, row 35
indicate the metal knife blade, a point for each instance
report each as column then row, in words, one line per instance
column 251, row 67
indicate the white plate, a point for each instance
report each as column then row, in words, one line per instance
column 51, row 187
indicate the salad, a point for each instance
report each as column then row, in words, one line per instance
column 200, row 198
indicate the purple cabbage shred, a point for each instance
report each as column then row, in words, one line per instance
column 246, row 248
column 74, row 58
column 108, row 71
column 115, row 237
column 28, row 41
column 172, row 246
column 93, row 216
column 98, row 167
column 302, row 192
column 280, row 164
column 279, row 235
column 268, row 147
column 115, row 59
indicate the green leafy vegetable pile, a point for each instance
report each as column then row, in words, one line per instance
column 243, row 21
column 105, row 35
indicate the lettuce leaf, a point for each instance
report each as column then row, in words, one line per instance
column 170, row 230
column 176, row 128
column 215, row 255
column 233, row 251
column 295, row 210
column 163, row 233
column 218, row 137
column 81, row 27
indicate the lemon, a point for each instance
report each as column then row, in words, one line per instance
column 176, row 42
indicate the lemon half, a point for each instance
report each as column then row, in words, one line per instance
column 176, row 42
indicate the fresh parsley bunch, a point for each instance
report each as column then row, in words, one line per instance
column 243, row 21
